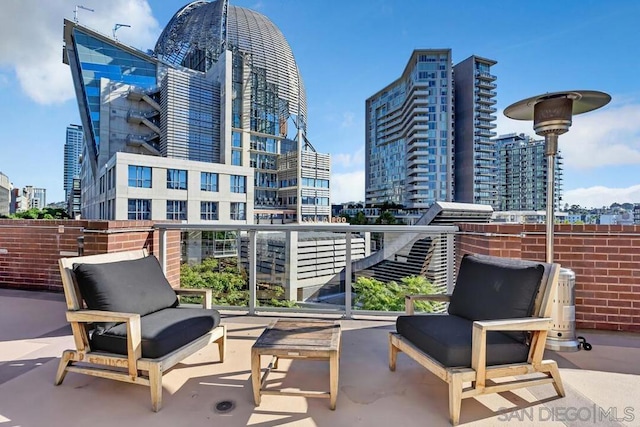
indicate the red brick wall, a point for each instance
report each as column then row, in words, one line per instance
column 30, row 249
column 605, row 259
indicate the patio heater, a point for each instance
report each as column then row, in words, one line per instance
column 551, row 114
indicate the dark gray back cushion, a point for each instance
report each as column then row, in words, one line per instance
column 131, row 286
column 489, row 288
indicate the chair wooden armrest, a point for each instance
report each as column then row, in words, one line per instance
column 479, row 339
column 410, row 299
column 523, row 324
column 205, row 293
column 134, row 337
column 90, row 316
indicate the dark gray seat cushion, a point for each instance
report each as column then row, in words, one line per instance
column 447, row 338
column 489, row 288
column 162, row 332
column 131, row 286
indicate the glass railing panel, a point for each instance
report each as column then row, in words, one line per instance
column 314, row 268
column 211, row 259
column 401, row 263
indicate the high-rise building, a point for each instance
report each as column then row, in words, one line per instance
column 409, row 135
column 198, row 129
column 414, row 157
column 5, row 195
column 34, row 198
column 475, row 152
column 522, row 174
column 72, row 151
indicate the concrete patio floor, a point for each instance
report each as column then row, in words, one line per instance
column 602, row 385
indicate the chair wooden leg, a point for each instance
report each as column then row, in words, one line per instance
column 222, row 344
column 393, row 354
column 455, row 398
column 334, row 368
column 155, row 383
column 66, row 358
column 557, row 381
column 255, row 376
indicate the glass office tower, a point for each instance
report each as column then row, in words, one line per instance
column 222, row 96
column 72, row 151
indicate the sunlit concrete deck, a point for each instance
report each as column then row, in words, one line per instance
column 33, row 333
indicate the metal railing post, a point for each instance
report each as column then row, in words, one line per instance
column 162, row 256
column 252, row 271
column 347, row 278
column 451, row 261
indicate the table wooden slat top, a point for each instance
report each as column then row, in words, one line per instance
column 297, row 339
column 299, row 335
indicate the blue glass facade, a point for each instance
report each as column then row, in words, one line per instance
column 98, row 60
column 409, row 138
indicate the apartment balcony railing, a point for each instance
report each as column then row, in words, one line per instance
column 485, row 75
column 485, row 84
column 483, row 108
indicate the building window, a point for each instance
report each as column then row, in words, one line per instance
column 236, row 157
column 236, row 140
column 139, row 176
column 177, row 209
column 208, row 211
column 139, row 209
column 238, row 211
column 111, row 178
column 208, row 181
column 238, row 184
column 176, row 179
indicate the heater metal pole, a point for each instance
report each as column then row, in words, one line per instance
column 551, row 149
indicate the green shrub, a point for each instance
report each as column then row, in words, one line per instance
column 228, row 283
column 372, row 294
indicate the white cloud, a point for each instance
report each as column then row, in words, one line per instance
column 596, row 197
column 31, row 31
column 606, row 137
column 348, row 160
column 347, row 119
column 347, row 187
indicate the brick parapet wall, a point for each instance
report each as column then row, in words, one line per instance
column 30, row 249
column 604, row 258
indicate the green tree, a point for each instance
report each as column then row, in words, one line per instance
column 359, row 219
column 228, row 283
column 386, row 218
column 46, row 213
column 372, row 294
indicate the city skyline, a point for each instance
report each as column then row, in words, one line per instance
column 345, row 57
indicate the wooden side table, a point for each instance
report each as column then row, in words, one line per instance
column 297, row 339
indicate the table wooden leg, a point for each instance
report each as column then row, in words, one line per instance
column 334, row 365
column 255, row 375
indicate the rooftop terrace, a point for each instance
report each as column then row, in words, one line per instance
column 602, row 384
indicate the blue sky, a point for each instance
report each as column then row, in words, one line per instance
column 347, row 51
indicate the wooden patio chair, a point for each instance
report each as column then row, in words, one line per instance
column 496, row 327
column 127, row 322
